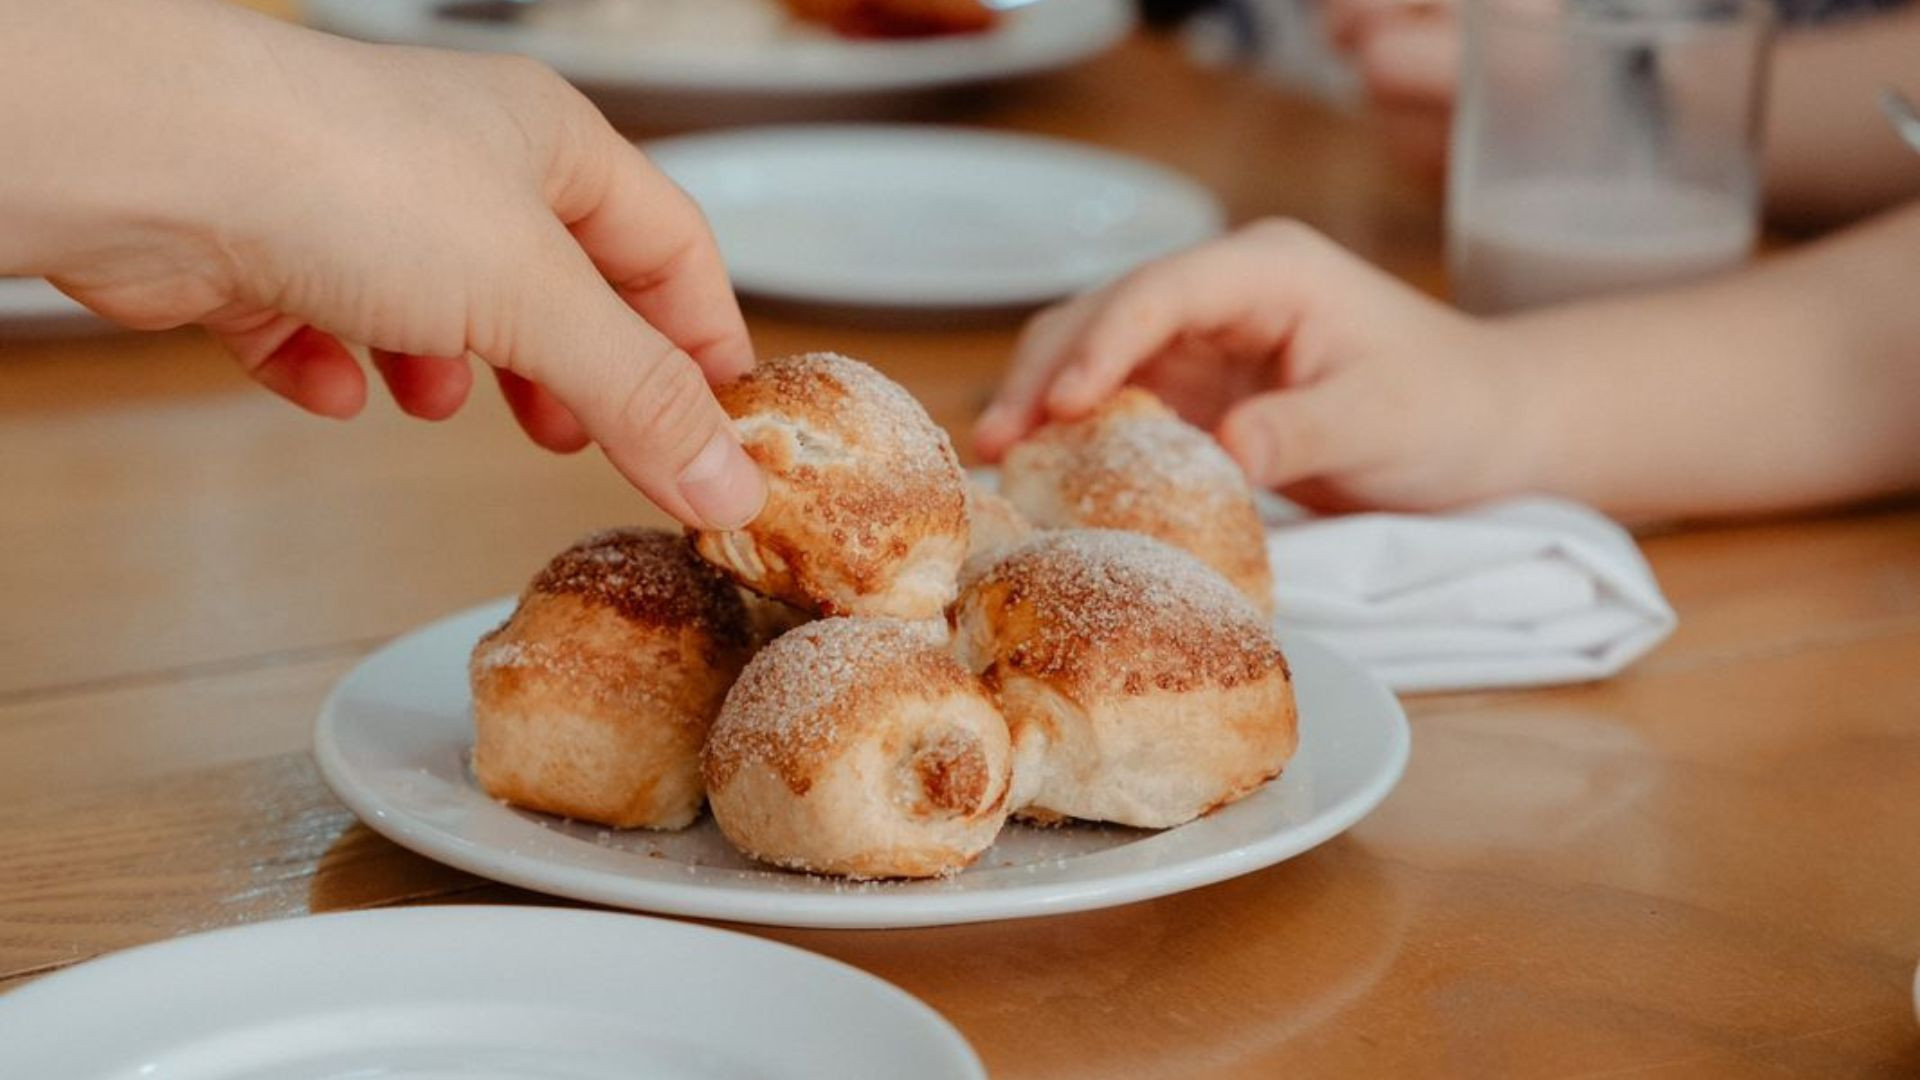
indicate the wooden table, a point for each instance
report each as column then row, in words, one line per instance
column 1708, row 866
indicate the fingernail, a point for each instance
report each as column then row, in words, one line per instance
column 722, row 484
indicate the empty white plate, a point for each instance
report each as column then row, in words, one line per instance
column 475, row 993
column 913, row 216
column 394, row 736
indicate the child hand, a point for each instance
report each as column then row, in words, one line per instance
column 1324, row 377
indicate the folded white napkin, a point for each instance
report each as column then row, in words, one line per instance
column 1521, row 592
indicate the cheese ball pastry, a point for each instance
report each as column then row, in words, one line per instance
column 1139, row 687
column 592, row 701
column 866, row 508
column 1134, row 464
column 993, row 525
column 859, row 747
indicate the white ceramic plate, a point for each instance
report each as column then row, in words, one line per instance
column 31, row 307
column 393, row 740
column 475, row 993
column 912, row 216
column 714, row 60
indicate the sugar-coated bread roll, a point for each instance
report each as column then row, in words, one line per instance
column 1139, row 686
column 859, row 747
column 592, row 701
column 771, row 618
column 1134, row 464
column 993, row 525
column 866, row 506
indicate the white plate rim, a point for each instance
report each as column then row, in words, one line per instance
column 481, row 925
column 853, row 910
column 1035, row 39
column 1201, row 214
column 36, row 301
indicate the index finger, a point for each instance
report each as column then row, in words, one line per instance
column 1016, row 409
column 1250, row 281
column 651, row 242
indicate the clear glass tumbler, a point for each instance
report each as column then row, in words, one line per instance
column 1601, row 145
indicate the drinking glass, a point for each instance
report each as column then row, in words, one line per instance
column 1601, row 145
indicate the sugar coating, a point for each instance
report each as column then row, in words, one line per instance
column 1160, row 460
column 651, row 577
column 1135, row 461
column 866, row 509
column 801, row 696
column 870, row 411
column 1123, row 608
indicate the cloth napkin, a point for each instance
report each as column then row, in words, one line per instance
column 1520, row 592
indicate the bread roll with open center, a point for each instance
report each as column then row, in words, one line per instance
column 866, row 508
column 1139, row 686
column 592, row 701
column 859, row 747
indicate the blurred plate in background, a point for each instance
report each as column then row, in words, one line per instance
column 740, row 47
column 926, row 217
column 29, row 307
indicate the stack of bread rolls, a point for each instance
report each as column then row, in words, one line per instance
column 890, row 661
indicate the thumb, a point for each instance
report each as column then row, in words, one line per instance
column 1287, row 436
column 638, row 395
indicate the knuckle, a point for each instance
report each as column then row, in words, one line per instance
column 549, row 115
column 668, row 408
column 523, row 73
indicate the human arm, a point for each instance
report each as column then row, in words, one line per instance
column 1791, row 385
column 185, row 161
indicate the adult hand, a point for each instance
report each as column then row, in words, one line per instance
column 293, row 192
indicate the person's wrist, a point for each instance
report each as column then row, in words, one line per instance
column 1514, row 433
column 160, row 135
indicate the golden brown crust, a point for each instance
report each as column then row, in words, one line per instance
column 866, row 510
column 1138, row 687
column 652, row 578
column 771, row 618
column 593, row 700
column 1097, row 612
column 1134, row 464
